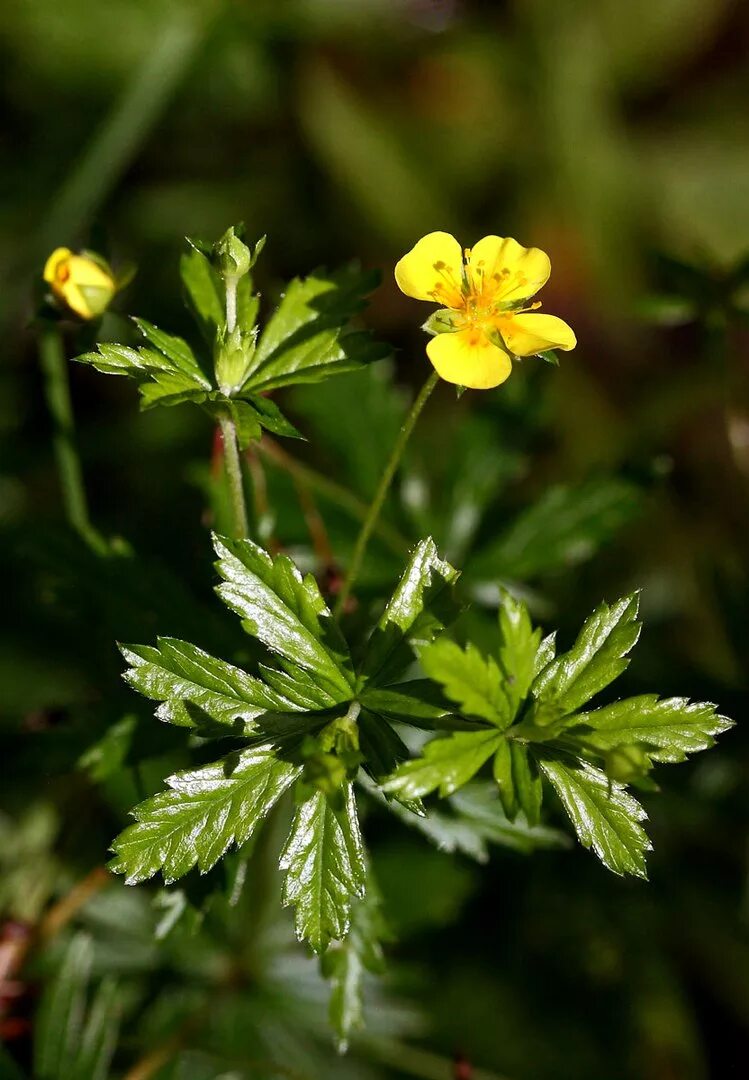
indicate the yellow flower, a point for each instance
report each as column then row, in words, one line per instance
column 84, row 283
column 485, row 318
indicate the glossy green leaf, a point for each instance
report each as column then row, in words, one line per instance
column 472, row 681
column 203, row 813
column 670, row 728
column 324, row 862
column 605, row 817
column 446, row 764
column 198, row 691
column 595, row 660
column 304, row 340
column 287, row 613
column 406, row 620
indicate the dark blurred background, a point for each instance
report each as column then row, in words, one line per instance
column 615, row 136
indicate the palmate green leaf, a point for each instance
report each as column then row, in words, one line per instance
column 446, row 764
column 325, row 870
column 198, row 691
column 305, row 339
column 203, row 813
column 287, row 613
column 670, row 728
column 605, row 817
column 412, row 616
column 519, row 782
column 565, row 526
column 166, row 374
column 472, row 681
column 594, row 661
column 346, row 962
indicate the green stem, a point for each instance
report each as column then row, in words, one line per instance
column 57, row 391
column 234, row 475
column 414, row 1061
column 386, row 480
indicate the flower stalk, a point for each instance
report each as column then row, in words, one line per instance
column 57, row 392
column 386, row 480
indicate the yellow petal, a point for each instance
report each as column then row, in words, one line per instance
column 433, row 270
column 80, row 282
column 53, row 263
column 504, row 270
column 469, row 358
column 85, row 271
column 528, row 333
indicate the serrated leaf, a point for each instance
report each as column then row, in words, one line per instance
column 446, row 764
column 519, row 646
column 346, row 962
column 605, row 816
column 324, row 862
column 671, row 728
column 471, row 680
column 202, row 814
column 304, row 341
column 198, row 691
column 287, row 613
column 176, row 350
column 403, row 623
column 594, row 661
column 564, row 527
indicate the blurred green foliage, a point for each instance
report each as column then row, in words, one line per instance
column 612, row 135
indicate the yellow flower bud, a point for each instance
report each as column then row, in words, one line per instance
column 83, row 283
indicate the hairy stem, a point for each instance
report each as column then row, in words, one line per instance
column 386, row 480
column 233, row 466
column 57, row 391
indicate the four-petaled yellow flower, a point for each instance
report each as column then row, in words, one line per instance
column 84, row 283
column 485, row 318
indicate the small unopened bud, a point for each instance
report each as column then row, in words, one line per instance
column 82, row 283
column 233, row 257
column 233, row 360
